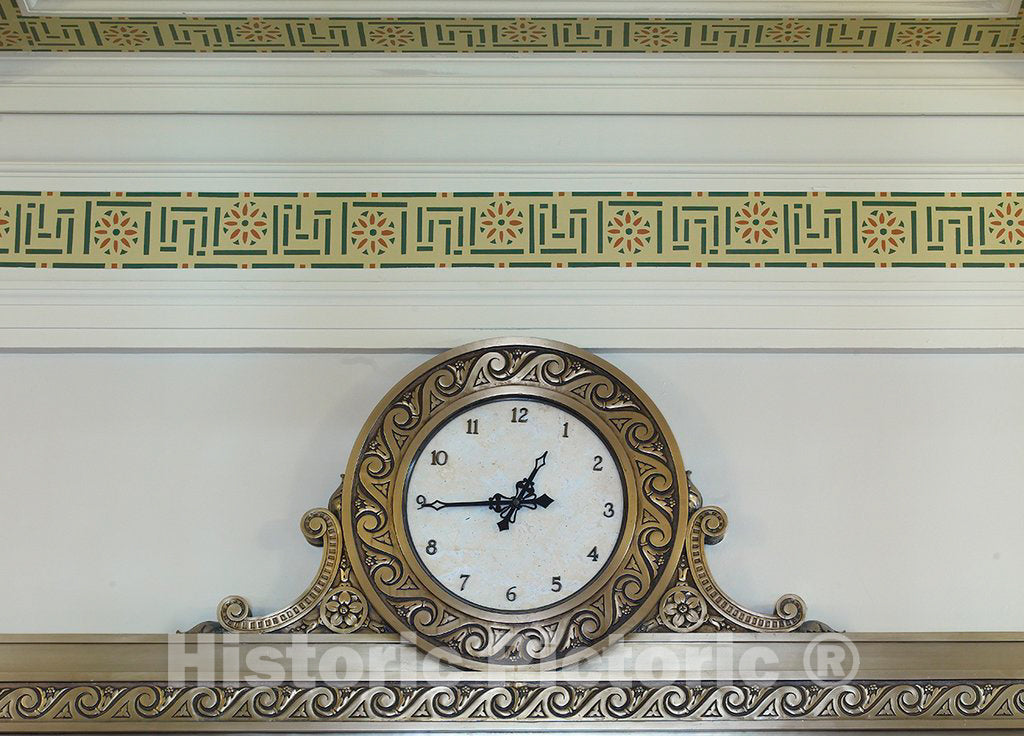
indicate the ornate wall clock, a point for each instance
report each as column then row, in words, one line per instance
column 515, row 504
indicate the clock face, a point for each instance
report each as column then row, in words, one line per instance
column 515, row 504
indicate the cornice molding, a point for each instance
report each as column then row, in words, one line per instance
column 630, row 309
column 385, row 176
column 359, row 124
column 627, row 85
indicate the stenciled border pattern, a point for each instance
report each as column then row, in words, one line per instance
column 27, row 33
column 20, row 32
column 510, row 229
column 940, row 704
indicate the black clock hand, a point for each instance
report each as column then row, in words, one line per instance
column 526, row 496
column 438, row 505
column 507, row 507
column 496, row 502
column 537, row 465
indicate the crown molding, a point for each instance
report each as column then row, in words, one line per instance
column 630, row 309
column 384, row 176
column 516, row 85
column 387, row 123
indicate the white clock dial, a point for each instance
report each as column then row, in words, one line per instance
column 507, row 547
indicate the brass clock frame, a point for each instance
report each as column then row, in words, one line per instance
column 612, row 604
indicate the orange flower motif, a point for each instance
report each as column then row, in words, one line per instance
column 501, row 223
column 756, row 222
column 125, row 35
column 5, row 221
column 628, row 231
column 392, row 36
column 918, row 37
column 523, row 31
column 655, row 36
column 883, row 232
column 115, row 232
column 258, row 31
column 1006, row 223
column 9, row 37
column 245, row 223
column 373, row 233
column 788, row 31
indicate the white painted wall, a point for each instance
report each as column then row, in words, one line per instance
column 139, row 489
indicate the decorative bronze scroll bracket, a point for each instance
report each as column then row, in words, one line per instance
column 697, row 603
column 333, row 603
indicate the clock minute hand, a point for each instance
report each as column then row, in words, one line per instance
column 496, row 502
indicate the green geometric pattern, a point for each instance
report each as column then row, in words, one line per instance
column 510, row 229
column 557, row 35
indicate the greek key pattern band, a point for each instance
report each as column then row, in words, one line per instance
column 122, row 707
column 20, row 32
column 511, row 229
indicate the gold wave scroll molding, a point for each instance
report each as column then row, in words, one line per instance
column 511, row 229
column 682, row 707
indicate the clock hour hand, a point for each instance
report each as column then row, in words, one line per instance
column 537, row 465
column 526, row 496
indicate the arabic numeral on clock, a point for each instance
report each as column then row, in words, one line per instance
column 438, row 457
column 465, row 579
column 609, row 510
column 510, row 594
column 519, row 414
column 472, row 426
column 592, row 554
column 598, row 463
column 556, row 583
column 565, row 429
column 432, row 547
